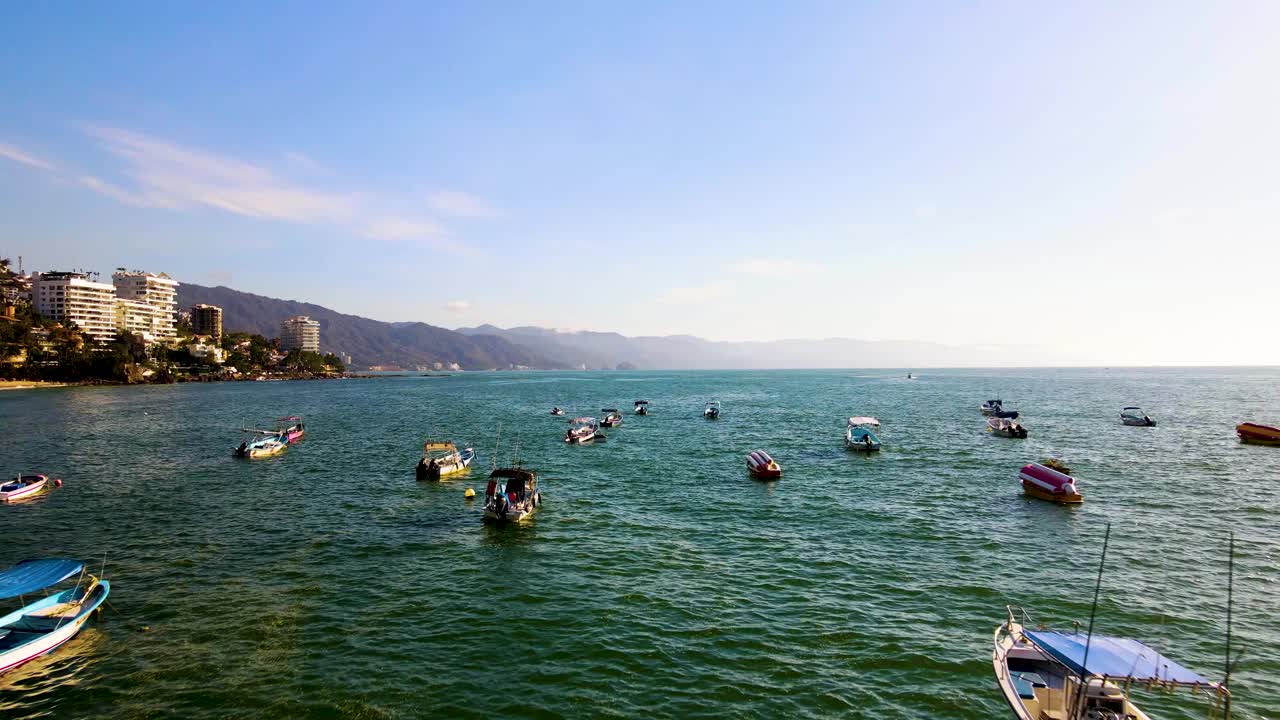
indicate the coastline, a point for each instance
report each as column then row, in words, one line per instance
column 29, row 384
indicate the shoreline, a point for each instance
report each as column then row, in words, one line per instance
column 30, row 384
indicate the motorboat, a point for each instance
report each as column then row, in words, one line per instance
column 442, row 458
column 1045, row 483
column 260, row 445
column 42, row 626
column 584, row 430
column 1258, row 434
column 23, row 487
column 557, row 411
column 1084, row 676
column 860, row 434
column 990, row 407
column 511, row 495
column 712, row 410
column 1134, row 416
column 909, row 376
column 762, row 466
column 612, row 418
column 1000, row 412
column 642, row 407
column 1004, row 427
column 290, row 428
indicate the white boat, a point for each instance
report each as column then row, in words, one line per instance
column 712, row 410
column 859, row 434
column 1004, row 427
column 557, row 411
column 512, row 495
column 584, row 430
column 23, row 487
column 442, row 458
column 261, row 445
column 1134, row 416
column 612, row 418
column 42, row 626
column 642, row 407
column 991, row 407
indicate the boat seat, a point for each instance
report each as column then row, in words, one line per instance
column 1026, row 683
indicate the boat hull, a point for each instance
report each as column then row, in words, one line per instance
column 46, row 643
column 762, row 466
column 427, row 472
column 34, row 485
column 1255, row 434
column 1045, row 483
column 1031, row 490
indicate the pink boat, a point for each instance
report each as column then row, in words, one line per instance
column 21, row 487
column 291, row 428
column 1045, row 483
column 763, row 466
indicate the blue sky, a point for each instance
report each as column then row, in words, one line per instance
column 1099, row 179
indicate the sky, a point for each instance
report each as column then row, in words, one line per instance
column 1099, row 179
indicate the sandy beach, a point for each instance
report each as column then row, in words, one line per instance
column 28, row 384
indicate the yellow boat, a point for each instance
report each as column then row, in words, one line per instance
column 442, row 458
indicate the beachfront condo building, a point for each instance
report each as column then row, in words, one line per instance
column 158, row 292
column 207, row 320
column 300, row 333
column 72, row 298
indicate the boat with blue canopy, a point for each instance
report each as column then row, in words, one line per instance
column 40, row 627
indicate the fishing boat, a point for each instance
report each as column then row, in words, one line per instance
column 512, row 495
column 762, row 466
column 584, row 430
column 442, row 458
column 23, row 487
column 1077, row 676
column 1000, row 412
column 1045, row 483
column 859, row 434
column 712, row 410
column 1133, row 415
column 260, row 446
column 990, row 407
column 42, row 626
column 290, row 428
column 1258, row 434
column 557, row 411
column 1004, row 427
column 612, row 418
column 642, row 407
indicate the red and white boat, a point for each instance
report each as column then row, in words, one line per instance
column 22, row 487
column 1045, row 483
column 1258, row 434
column 762, row 466
column 291, row 428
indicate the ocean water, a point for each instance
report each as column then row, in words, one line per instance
column 658, row 579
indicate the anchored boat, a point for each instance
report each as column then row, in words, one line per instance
column 1046, row 483
column 642, row 407
column 512, row 495
column 260, row 445
column 1005, row 427
column 1258, row 434
column 1133, row 415
column 762, row 466
column 990, row 407
column 584, row 430
column 442, row 458
column 290, row 428
column 612, row 418
column 712, row 410
column 859, row 434
column 42, row 626
column 557, row 411
column 23, row 487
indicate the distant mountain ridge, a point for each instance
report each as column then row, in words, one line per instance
column 369, row 342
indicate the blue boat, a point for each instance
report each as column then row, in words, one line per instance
column 39, row 628
column 860, row 434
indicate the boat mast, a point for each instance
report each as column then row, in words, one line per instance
column 1093, row 611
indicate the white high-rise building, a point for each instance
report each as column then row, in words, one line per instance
column 148, row 302
column 71, row 297
column 300, row 333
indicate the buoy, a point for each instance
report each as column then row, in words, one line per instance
column 145, row 628
column 470, row 493
column 57, row 482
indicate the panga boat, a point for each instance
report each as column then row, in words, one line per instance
column 1000, row 412
column 1134, row 416
column 23, row 487
column 290, row 428
column 642, row 407
column 262, row 446
column 712, row 410
column 1005, row 427
column 1258, row 434
column 1046, row 483
column 612, row 418
column 442, row 458
column 1075, row 676
column 762, row 466
column 39, row 628
column 584, row 430
column 990, row 407
column 860, row 434
column 512, row 495
column 556, row 411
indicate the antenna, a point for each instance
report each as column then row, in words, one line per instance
column 1093, row 611
column 496, row 443
column 1226, row 678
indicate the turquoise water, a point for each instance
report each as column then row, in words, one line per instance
column 657, row 579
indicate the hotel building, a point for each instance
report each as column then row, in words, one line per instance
column 148, row 302
column 300, row 333
column 72, row 298
column 207, row 320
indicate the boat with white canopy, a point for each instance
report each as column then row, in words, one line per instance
column 40, row 627
column 859, row 434
column 1134, row 416
column 712, row 410
column 442, row 458
column 642, row 407
column 584, row 430
column 612, row 418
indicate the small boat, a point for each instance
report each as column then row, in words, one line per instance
column 1134, row 416
column 1000, row 412
column 42, row 626
column 990, row 407
column 860, row 434
column 261, row 446
column 762, row 466
column 512, row 495
column 584, row 430
column 1077, row 676
column 1046, row 483
column 909, row 376
column 556, row 411
column 290, row 428
column 1057, row 464
column 1258, row 434
column 612, row 418
column 712, row 410
column 442, row 458
column 1004, row 427
column 23, row 487
column 642, row 407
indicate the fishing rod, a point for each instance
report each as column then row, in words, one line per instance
column 1093, row 611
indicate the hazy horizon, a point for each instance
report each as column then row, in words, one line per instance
column 1090, row 181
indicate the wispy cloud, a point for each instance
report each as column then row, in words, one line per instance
column 307, row 163
column 17, row 155
column 775, row 267
column 694, row 294
column 459, row 204
column 457, row 306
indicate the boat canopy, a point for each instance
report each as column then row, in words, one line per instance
column 513, row 474
column 713, row 402
column 291, row 418
column 1132, row 407
column 1113, row 657
column 31, row 576
column 864, row 420
column 608, row 409
column 583, row 421
column 446, row 446
column 642, row 402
